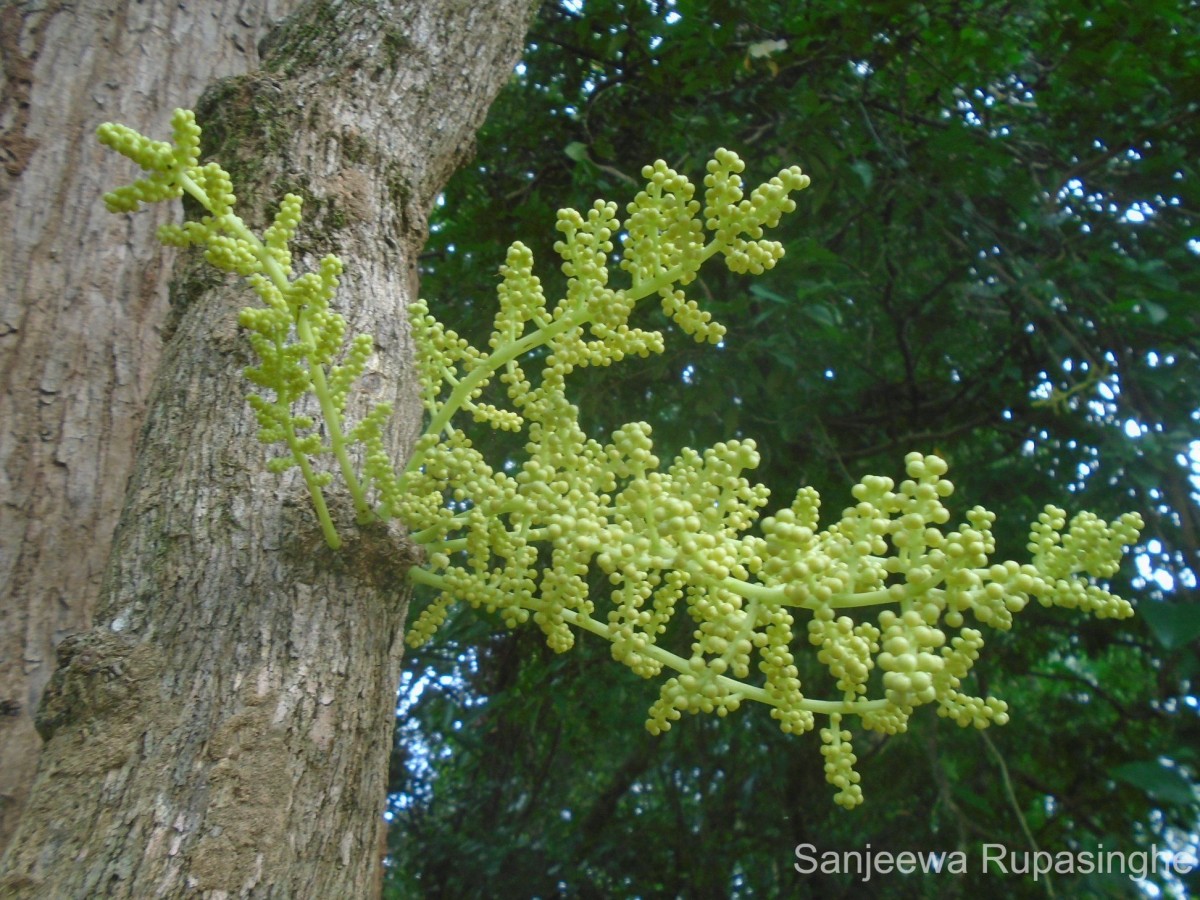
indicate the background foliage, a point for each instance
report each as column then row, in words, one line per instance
column 997, row 262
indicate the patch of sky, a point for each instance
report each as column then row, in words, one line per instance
column 423, row 750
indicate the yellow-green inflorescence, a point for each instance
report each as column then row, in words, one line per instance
column 888, row 594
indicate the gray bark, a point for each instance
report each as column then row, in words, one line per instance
column 82, row 306
column 224, row 728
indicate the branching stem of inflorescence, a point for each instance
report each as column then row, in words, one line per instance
column 532, row 544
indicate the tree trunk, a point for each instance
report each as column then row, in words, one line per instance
column 224, row 728
column 82, row 308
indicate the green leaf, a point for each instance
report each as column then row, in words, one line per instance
column 761, row 290
column 1154, row 311
column 825, row 314
column 1174, row 625
column 864, row 171
column 1165, row 783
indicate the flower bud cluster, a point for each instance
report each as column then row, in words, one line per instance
column 840, row 758
column 1089, row 546
column 660, row 536
column 885, row 591
column 733, row 217
column 297, row 336
column 164, row 163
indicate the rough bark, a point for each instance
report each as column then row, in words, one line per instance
column 223, row 730
column 82, row 306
